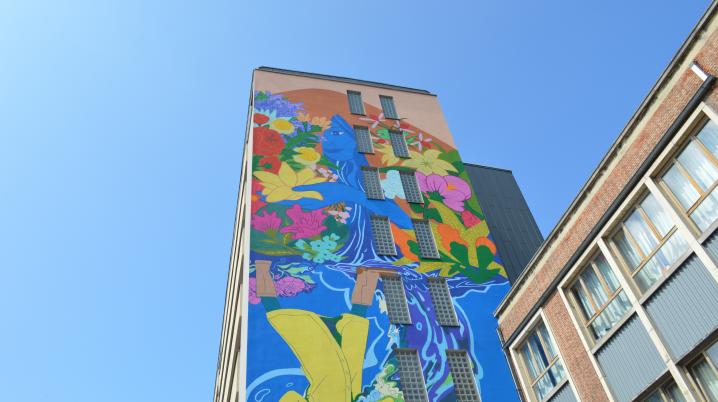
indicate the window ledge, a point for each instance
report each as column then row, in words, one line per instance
column 667, row 274
column 555, row 390
column 608, row 335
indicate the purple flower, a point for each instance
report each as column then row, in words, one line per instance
column 304, row 224
column 278, row 103
column 453, row 190
column 268, row 221
column 290, row 286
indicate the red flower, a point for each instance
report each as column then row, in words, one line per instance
column 256, row 197
column 304, row 224
column 267, row 141
column 270, row 164
column 470, row 219
column 260, row 118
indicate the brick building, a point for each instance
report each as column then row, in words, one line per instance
column 620, row 302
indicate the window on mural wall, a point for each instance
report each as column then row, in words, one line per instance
column 356, row 105
column 411, row 187
column 383, row 239
column 648, row 243
column 463, row 375
column 411, row 376
column 599, row 297
column 425, row 237
column 363, row 137
column 395, row 297
column 398, row 144
column 442, row 302
column 372, row 184
column 541, row 364
column 693, row 177
column 387, row 106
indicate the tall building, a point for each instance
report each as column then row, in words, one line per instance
column 620, row 303
column 362, row 267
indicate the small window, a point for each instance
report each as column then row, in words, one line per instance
column 442, row 302
column 599, row 297
column 411, row 187
column 372, row 185
column 692, row 178
column 463, row 374
column 387, row 106
column 425, row 237
column 356, row 105
column 411, row 376
column 704, row 373
column 363, row 138
column 541, row 364
column 395, row 298
column 398, row 144
column 668, row 392
column 383, row 239
column 647, row 243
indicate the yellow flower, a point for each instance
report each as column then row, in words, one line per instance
column 280, row 186
column 429, row 163
column 307, row 156
column 315, row 121
column 283, row 126
column 387, row 154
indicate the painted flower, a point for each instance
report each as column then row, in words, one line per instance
column 260, row 118
column 388, row 157
column 330, row 176
column 280, row 186
column 453, row 190
column 392, row 185
column 340, row 212
column 267, row 141
column 289, row 286
column 400, row 125
column 428, row 162
column 270, row 163
column 420, row 141
column 322, row 122
column 307, row 156
column 253, row 298
column 305, row 224
column 267, row 221
column 283, row 126
column 256, row 198
column 373, row 119
column 470, row 219
column 276, row 103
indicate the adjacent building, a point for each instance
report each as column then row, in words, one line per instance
column 362, row 265
column 620, row 303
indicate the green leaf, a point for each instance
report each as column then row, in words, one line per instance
column 485, row 256
column 460, row 252
column 448, row 216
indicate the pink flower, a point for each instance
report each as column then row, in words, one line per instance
column 268, row 221
column 470, row 219
column 453, row 190
column 305, row 224
column 253, row 299
column 290, row 286
column 373, row 119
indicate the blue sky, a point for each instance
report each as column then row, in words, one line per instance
column 122, row 123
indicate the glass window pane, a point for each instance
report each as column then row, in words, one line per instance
column 425, row 238
column 707, row 212
column 582, row 298
column 442, row 302
column 630, row 255
column 463, row 375
column 364, row 144
column 681, row 188
column 611, row 315
column 667, row 255
column 607, row 272
column 549, row 342
column 529, row 362
column 709, row 137
column 395, row 298
column 356, row 105
column 387, row 106
column 698, row 165
column 372, row 184
column 411, row 376
column 705, row 376
column 658, row 216
column 673, row 393
column 594, row 286
column 411, row 187
column 383, row 238
column 641, row 232
column 398, row 144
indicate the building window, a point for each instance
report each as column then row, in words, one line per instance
column 387, row 106
column 356, row 106
column 372, row 185
column 363, row 138
column 427, row 245
column 395, row 298
column 668, row 392
column 542, row 366
column 704, row 372
column 599, row 297
column 648, row 243
column 411, row 187
column 411, row 377
column 398, row 144
column 463, row 375
column 383, row 239
column 693, row 177
column 442, row 302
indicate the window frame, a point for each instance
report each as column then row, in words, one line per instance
column 393, row 106
column 702, row 356
column 361, row 102
column 463, row 354
column 694, row 128
column 415, row 354
column 661, row 390
column 436, row 256
column 386, row 277
column 412, row 173
column 388, row 221
column 358, row 127
column 375, row 175
column 404, row 144
column 454, row 320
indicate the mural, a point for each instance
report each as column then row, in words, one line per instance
column 318, row 325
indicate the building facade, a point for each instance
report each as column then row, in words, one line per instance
column 362, row 267
column 620, row 303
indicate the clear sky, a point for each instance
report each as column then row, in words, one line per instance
column 121, row 126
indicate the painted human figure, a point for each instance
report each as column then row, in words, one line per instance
column 330, row 349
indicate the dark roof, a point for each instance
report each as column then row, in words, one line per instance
column 344, row 79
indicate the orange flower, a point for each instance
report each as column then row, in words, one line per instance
column 449, row 235
column 485, row 241
column 402, row 240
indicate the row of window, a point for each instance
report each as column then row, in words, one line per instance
column 397, row 307
column 356, row 105
column 396, row 137
column 384, row 240
column 412, row 382
column 372, row 185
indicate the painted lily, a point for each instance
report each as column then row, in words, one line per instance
column 280, row 186
column 428, row 162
